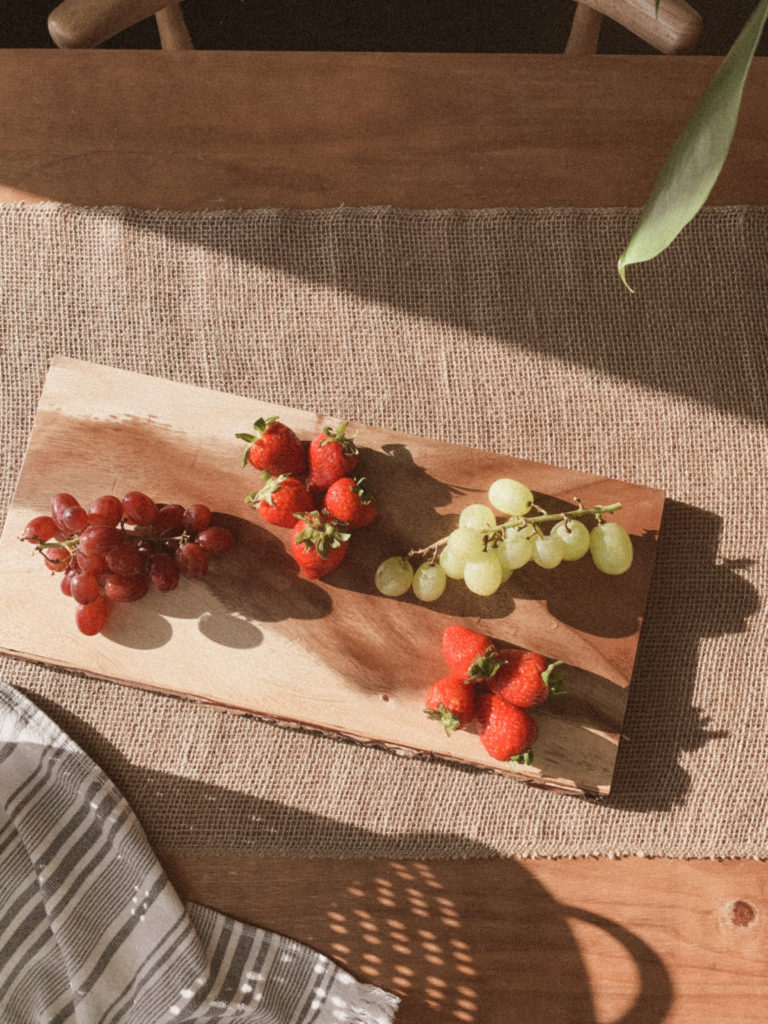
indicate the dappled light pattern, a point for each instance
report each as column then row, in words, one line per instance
column 410, row 931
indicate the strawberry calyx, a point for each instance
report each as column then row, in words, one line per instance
column 338, row 435
column 525, row 757
column 552, row 677
column 320, row 533
column 445, row 717
column 267, row 491
column 259, row 428
column 360, row 488
column 485, row 666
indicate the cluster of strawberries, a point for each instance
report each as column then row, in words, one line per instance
column 497, row 687
column 310, row 490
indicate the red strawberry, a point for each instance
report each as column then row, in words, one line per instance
column 332, row 455
column 451, row 703
column 350, row 501
column 525, row 678
column 469, row 655
column 318, row 544
column 281, row 499
column 506, row 732
column 274, row 448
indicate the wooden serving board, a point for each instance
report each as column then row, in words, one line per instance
column 332, row 654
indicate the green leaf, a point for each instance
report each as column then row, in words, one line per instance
column 693, row 165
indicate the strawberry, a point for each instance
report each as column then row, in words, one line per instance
column 525, row 678
column 274, row 448
column 332, row 455
column 451, row 703
column 281, row 499
column 469, row 655
column 318, row 543
column 350, row 501
column 506, row 732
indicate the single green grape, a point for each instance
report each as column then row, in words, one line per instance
column 483, row 574
column 506, row 570
column 547, row 551
column 611, row 548
column 515, row 550
column 574, row 536
column 465, row 543
column 429, row 581
column 478, row 517
column 510, row 497
column 453, row 566
column 394, row 576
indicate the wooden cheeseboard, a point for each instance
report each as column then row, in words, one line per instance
column 331, row 654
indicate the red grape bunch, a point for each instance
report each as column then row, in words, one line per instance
column 112, row 552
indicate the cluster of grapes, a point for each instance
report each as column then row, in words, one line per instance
column 112, row 551
column 484, row 552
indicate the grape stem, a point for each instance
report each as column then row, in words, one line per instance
column 518, row 522
column 70, row 543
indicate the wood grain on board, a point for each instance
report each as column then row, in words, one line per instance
column 333, row 654
column 491, row 941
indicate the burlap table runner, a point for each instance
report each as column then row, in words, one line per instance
column 504, row 329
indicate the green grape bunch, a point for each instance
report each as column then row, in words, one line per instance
column 483, row 552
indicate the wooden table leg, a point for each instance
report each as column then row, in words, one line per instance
column 585, row 31
column 174, row 34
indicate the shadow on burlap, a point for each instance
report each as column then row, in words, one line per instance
column 507, row 330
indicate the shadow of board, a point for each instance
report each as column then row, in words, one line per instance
column 462, row 953
column 693, row 595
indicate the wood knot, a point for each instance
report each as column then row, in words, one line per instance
column 741, row 914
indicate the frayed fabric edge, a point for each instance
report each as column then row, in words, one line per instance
column 367, row 1005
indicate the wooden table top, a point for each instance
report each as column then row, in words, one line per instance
column 644, row 941
column 203, row 129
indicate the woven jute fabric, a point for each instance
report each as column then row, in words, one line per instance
column 502, row 329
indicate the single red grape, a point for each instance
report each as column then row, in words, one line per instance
column 139, row 509
column 125, row 559
column 92, row 618
column 97, row 540
column 196, row 518
column 163, row 571
column 105, row 511
column 84, row 587
column 192, row 561
column 93, row 563
column 60, row 502
column 58, row 558
column 73, row 519
column 215, row 540
column 126, row 588
column 66, row 581
column 170, row 519
column 39, row 530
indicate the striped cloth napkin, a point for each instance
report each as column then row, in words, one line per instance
column 91, row 929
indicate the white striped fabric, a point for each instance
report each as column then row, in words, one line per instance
column 91, row 930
